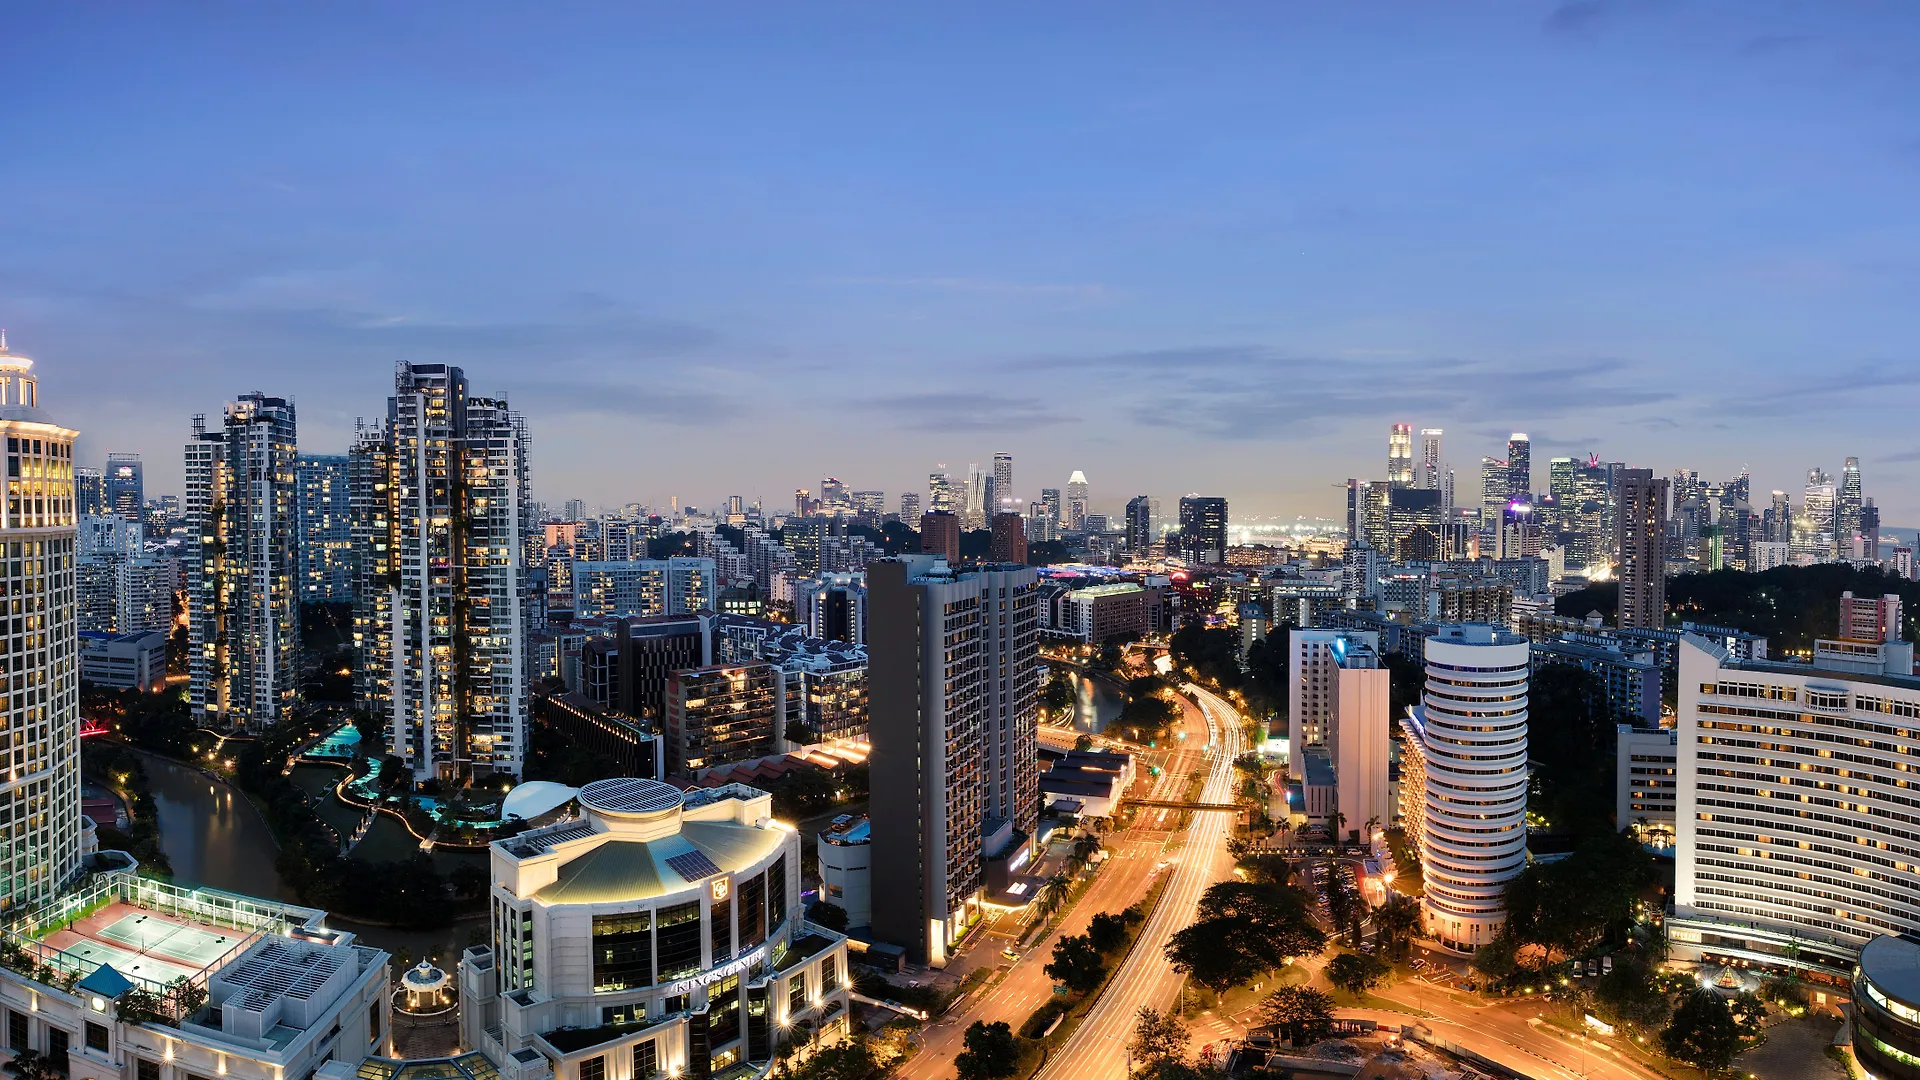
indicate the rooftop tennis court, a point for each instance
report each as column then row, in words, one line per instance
column 144, row 932
column 127, row 963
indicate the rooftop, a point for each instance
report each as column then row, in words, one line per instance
column 1892, row 964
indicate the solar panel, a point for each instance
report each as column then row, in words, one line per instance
column 693, row 865
column 630, row 796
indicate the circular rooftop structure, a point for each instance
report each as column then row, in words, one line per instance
column 630, row 798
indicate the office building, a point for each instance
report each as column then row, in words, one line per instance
column 1519, row 466
column 1496, row 484
column 1430, row 472
column 1358, row 738
column 1009, row 539
column 1203, row 529
column 135, row 661
column 1077, row 501
column 1885, row 1017
column 869, row 507
column 325, row 540
column 657, row 933
column 126, row 486
column 940, row 535
column 1414, row 521
column 1847, row 506
column 973, row 513
column 941, row 493
column 1647, row 782
column 1640, row 541
column 1100, row 613
column 1873, row 619
column 1794, row 844
column 89, row 491
column 1002, row 480
column 442, row 520
column 1140, row 525
column 910, row 507
column 720, row 714
column 954, row 685
column 1813, row 533
column 243, row 566
column 1313, row 668
column 1869, row 532
column 1469, row 736
column 1400, row 456
column 678, row 585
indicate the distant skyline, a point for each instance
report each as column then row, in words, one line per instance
column 717, row 251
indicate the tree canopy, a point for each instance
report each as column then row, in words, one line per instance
column 1243, row 929
column 990, row 1053
column 1571, row 905
column 1702, row 1032
column 1790, row 605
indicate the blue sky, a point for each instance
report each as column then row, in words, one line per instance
column 1182, row 247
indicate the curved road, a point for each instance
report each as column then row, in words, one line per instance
column 1097, row 1050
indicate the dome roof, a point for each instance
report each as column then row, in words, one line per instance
column 534, row 798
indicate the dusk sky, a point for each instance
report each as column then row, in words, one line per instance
column 714, row 249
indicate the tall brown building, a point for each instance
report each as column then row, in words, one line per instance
column 1640, row 539
column 940, row 535
column 1009, row 539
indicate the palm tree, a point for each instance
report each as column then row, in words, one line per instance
column 1373, row 826
column 1053, row 894
column 1397, row 921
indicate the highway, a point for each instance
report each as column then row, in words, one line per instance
column 1133, row 862
column 1097, row 1048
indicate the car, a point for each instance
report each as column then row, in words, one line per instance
column 1593, row 967
column 1606, row 965
column 1009, row 954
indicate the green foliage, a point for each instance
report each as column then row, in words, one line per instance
column 1059, row 694
column 1208, row 656
column 1573, row 904
column 1083, row 743
column 1791, row 605
column 1749, row 1013
column 800, row 733
column 851, row 1058
column 1158, row 1036
column 671, row 544
column 1702, row 1032
column 990, row 1053
column 1396, row 923
column 1243, row 929
column 1498, row 958
column 1303, row 1014
column 1356, row 973
column 1630, row 997
column 1077, row 964
column 1267, row 685
column 31, row 1064
column 1406, row 679
column 1108, row 930
column 1571, row 738
column 830, row 915
column 1037, row 1022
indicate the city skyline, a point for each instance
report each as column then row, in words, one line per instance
column 1192, row 246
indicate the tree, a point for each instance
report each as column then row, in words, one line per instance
column 851, row 1058
column 990, row 1052
column 1107, row 930
column 1083, row 743
column 1076, row 964
column 800, row 733
column 1571, row 905
column 1628, row 996
column 1302, row 1013
column 1059, row 695
column 1702, row 1032
column 1244, row 928
column 1158, row 1036
column 1396, row 923
column 30, row 1064
column 830, row 915
column 1498, row 958
column 1749, row 1012
column 1356, row 973
column 1054, row 893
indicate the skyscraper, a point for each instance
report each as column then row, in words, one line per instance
column 1816, row 537
column 1050, row 499
column 1203, row 529
column 1009, row 539
column 974, row 515
column 1640, row 541
column 126, row 486
column 952, row 662
column 1002, row 481
column 40, row 796
column 910, row 507
column 940, row 493
column 243, row 566
column 326, row 529
column 1139, row 524
column 442, row 517
column 1496, row 491
column 1429, row 472
column 89, row 491
column 1846, row 511
column 1467, row 747
column 940, row 535
column 1519, row 465
column 1400, row 456
column 1077, row 500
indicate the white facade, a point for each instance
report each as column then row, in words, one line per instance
column 1472, row 731
column 1312, row 669
column 1361, row 693
column 846, row 868
column 1646, row 782
column 655, row 929
column 1795, row 808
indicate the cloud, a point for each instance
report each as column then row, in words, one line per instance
column 1578, row 18
column 980, row 286
column 1904, row 455
column 667, row 405
column 1769, row 44
column 935, row 413
column 1864, row 385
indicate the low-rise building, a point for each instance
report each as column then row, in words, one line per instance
column 719, row 714
column 1089, row 783
column 1100, row 612
column 1629, row 678
column 846, row 868
column 135, row 661
column 659, row 932
column 1646, row 782
column 571, row 719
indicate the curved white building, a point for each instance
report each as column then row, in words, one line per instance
column 1472, row 745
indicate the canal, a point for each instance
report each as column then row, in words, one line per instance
column 1096, row 704
column 214, row 837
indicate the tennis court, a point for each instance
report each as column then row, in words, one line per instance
column 153, row 934
column 126, row 963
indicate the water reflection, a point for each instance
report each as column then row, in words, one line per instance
column 1096, row 704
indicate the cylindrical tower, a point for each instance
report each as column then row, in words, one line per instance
column 1474, row 722
column 39, row 647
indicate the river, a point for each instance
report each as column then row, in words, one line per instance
column 1096, row 704
column 214, row 837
